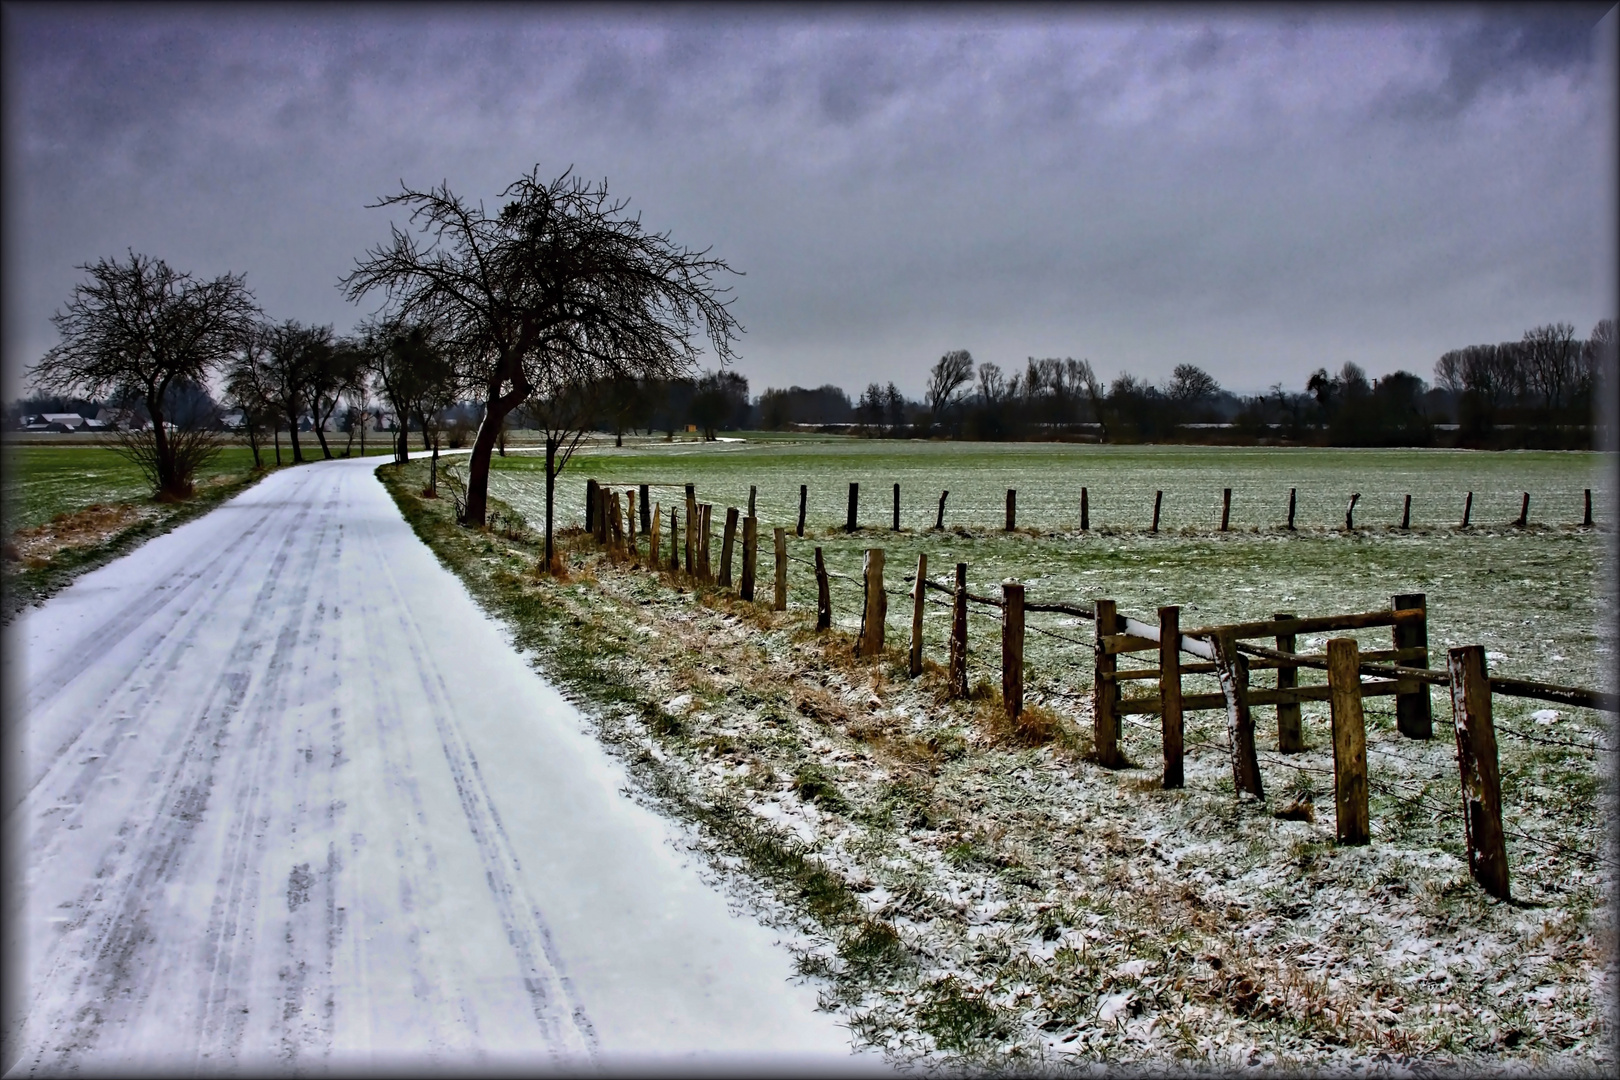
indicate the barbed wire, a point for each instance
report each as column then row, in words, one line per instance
column 1550, row 741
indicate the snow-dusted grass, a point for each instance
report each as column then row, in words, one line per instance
column 981, row 891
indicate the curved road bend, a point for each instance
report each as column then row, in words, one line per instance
column 287, row 798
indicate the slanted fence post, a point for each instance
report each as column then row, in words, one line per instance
column 1468, row 509
column 854, row 505
column 1290, row 737
column 750, row 557
column 654, row 538
column 1350, row 512
column 1414, row 717
column 1524, row 512
column 1170, row 723
column 727, row 539
column 1012, row 509
column 1349, row 741
column 1012, row 648
column 691, row 526
column 804, row 496
column 1291, row 504
column 590, row 506
column 1226, row 509
column 1233, row 669
column 874, row 605
column 705, row 567
column 779, row 600
column 939, row 522
column 959, row 602
column 1104, row 690
column 1406, row 514
column 823, row 595
column 1158, row 500
column 919, row 592
column 897, row 508
column 1476, row 760
column 1085, row 511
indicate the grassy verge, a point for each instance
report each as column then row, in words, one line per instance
column 979, row 893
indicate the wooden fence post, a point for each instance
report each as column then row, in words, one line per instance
column 1012, row 648
column 1349, row 741
column 1158, row 498
column 691, row 525
column 630, row 523
column 959, row 602
column 804, row 496
column 1291, row 492
column 919, row 590
column 1104, row 690
column 897, row 508
column 613, row 520
column 1232, row 667
column 823, row 595
column 590, row 506
column 939, row 522
column 704, row 562
column 1586, row 520
column 1170, row 723
column 727, row 539
column 1406, row 514
column 874, row 605
column 1524, row 512
column 674, row 540
column 1085, row 511
column 1012, row 509
column 1226, row 509
column 646, row 509
column 779, row 601
column 750, row 557
column 854, row 503
column 751, row 491
column 1468, row 509
column 1290, row 737
column 1476, row 760
column 1413, row 715
column 654, row 538
column 1350, row 512
column 603, row 493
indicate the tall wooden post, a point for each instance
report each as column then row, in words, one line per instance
column 1085, row 511
column 705, row 567
column 1012, row 509
column 1413, row 715
column 1468, row 509
column 646, row 509
column 1406, row 514
column 919, row 593
column 630, row 523
column 1104, row 690
column 779, row 600
column 897, row 508
column 1158, row 499
column 1170, row 723
column 590, row 506
column 1226, row 509
column 655, row 538
column 1232, row 667
column 823, row 595
column 1586, row 520
column 1012, row 648
column 854, row 503
column 691, row 526
column 1350, row 512
column 1349, row 741
column 674, row 540
column 1290, row 735
column 745, row 587
column 804, row 496
column 603, row 494
column 1291, row 492
column 751, row 492
column 1476, row 759
column 959, row 602
column 939, row 522
column 874, row 605
column 1524, row 512
column 727, row 539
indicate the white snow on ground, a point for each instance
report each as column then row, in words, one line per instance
column 289, row 798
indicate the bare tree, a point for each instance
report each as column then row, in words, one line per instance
column 1550, row 356
column 413, row 371
column 135, row 330
column 563, row 410
column 250, row 386
column 945, row 382
column 1191, row 384
column 560, row 275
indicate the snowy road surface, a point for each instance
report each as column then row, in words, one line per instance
column 285, row 796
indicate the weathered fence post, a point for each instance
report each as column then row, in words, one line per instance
column 630, row 524
column 1406, row 514
column 590, row 506
column 691, row 525
column 939, row 522
column 1085, row 511
column 1586, row 520
column 804, row 496
column 919, row 592
column 1413, row 715
column 613, row 519
column 1350, row 512
column 704, row 562
column 1291, row 493
column 897, row 508
column 1476, row 760
column 603, row 493
column 1349, row 741
column 1290, row 737
column 1468, row 509
column 654, row 538
column 1524, row 512
column 959, row 602
column 1226, row 509
column 779, row 600
column 1170, row 724
column 646, row 509
column 674, row 540
column 874, row 605
column 854, row 504
column 1158, row 498
column 1232, row 667
column 751, row 491
column 1104, row 690
column 823, row 595
column 1012, row 509
column 1012, row 648
column 745, row 588
column 727, row 539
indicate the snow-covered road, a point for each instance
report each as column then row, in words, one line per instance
column 282, row 794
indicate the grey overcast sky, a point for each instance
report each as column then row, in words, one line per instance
column 1260, row 191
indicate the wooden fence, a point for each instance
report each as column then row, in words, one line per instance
column 1231, row 652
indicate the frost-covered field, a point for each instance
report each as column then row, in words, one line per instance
column 1051, row 908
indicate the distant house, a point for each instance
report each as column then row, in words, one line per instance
column 122, row 419
column 62, row 421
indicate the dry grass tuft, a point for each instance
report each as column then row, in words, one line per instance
column 34, row 548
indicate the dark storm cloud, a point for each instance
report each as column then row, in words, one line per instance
column 1259, row 194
